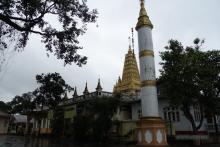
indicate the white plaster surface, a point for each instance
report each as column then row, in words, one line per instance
column 147, row 68
column 147, row 72
column 145, row 39
column 183, row 124
column 149, row 101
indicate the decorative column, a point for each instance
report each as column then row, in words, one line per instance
column 151, row 129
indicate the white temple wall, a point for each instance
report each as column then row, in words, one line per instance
column 182, row 125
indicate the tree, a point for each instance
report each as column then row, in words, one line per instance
column 57, row 123
column 96, row 120
column 4, row 107
column 20, row 18
column 209, row 83
column 103, row 110
column 187, row 76
column 81, row 127
column 22, row 104
column 52, row 89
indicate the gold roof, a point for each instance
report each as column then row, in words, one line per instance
column 130, row 81
column 143, row 19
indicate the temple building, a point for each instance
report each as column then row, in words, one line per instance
column 144, row 105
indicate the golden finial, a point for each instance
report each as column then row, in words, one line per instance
column 142, row 3
column 129, row 41
column 143, row 19
column 132, row 34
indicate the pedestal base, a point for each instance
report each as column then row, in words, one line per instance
column 151, row 132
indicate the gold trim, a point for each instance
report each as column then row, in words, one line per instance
column 145, row 53
column 148, row 83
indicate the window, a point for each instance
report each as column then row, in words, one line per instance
column 171, row 114
column 197, row 112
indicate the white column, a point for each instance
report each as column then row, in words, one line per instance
column 148, row 95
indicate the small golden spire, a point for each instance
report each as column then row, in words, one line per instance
column 132, row 34
column 129, row 47
column 143, row 19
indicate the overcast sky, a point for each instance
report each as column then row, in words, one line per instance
column 107, row 44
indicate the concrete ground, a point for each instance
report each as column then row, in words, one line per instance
column 21, row 141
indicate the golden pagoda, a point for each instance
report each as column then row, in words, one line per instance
column 130, row 82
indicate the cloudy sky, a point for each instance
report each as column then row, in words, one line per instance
column 107, row 44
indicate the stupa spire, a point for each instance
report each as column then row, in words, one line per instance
column 75, row 93
column 143, row 19
column 86, row 91
column 99, row 87
column 130, row 81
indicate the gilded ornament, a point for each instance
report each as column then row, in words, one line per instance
column 148, row 83
column 145, row 53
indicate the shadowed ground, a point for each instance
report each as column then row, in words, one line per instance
column 21, row 141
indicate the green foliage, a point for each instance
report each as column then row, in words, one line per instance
column 82, row 127
column 22, row 104
column 4, row 107
column 191, row 76
column 103, row 110
column 96, row 121
column 20, row 18
column 52, row 89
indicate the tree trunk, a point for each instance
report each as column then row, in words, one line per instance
column 215, row 123
column 201, row 118
column 188, row 115
column 39, row 121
